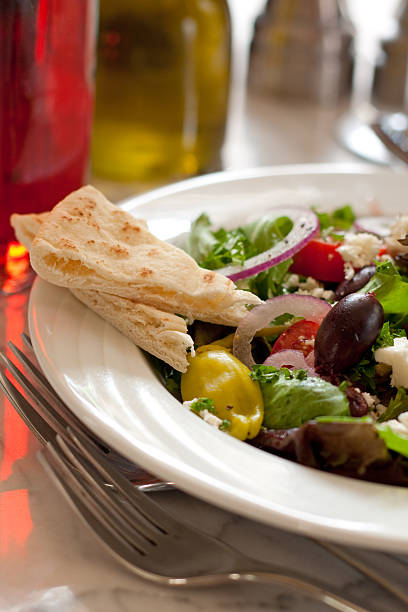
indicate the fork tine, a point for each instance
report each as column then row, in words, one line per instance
column 27, row 341
column 29, row 415
column 146, row 506
column 61, row 408
column 84, row 503
column 45, row 409
column 111, row 501
column 58, row 415
column 35, row 372
column 59, row 412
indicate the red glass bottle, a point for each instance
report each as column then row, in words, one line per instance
column 47, row 50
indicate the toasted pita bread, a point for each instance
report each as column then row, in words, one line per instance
column 88, row 243
column 26, row 226
column 159, row 333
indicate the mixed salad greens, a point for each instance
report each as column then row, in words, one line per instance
column 318, row 372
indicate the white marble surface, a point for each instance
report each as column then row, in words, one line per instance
column 50, row 562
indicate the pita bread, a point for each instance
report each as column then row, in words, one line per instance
column 88, row 243
column 159, row 333
column 26, row 227
column 156, row 330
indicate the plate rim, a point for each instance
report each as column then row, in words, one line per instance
column 224, row 176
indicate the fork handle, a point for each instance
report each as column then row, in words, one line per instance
column 318, row 593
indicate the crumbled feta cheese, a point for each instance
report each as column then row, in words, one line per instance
column 210, row 418
column 398, row 230
column 371, row 400
column 348, row 270
column 403, row 418
column 319, row 292
column 206, row 415
column 315, row 292
column 359, row 249
column 292, row 281
column 395, row 356
column 328, row 295
column 374, row 405
column 399, row 425
column 309, row 284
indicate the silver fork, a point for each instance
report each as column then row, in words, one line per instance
column 146, row 539
column 46, row 420
column 47, row 414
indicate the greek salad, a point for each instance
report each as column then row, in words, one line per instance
column 318, row 372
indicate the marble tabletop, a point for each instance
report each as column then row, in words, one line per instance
column 50, row 562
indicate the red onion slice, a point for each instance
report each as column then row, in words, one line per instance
column 306, row 306
column 305, row 226
column 291, row 358
column 380, row 226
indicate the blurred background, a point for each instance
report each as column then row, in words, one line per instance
column 304, row 83
column 133, row 95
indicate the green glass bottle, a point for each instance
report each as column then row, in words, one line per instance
column 162, row 84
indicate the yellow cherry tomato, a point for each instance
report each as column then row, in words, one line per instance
column 215, row 373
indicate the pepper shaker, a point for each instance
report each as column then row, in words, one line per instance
column 391, row 76
column 301, row 50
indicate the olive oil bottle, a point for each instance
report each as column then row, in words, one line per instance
column 162, row 83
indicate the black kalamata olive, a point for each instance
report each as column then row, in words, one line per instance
column 356, row 283
column 347, row 331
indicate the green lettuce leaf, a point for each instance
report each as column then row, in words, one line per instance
column 216, row 249
column 292, row 398
column 397, row 406
column 363, row 373
column 264, row 233
column 343, row 419
column 387, row 334
column 390, row 288
column 201, row 239
column 393, row 441
column 269, row 283
column 203, row 403
column 340, row 219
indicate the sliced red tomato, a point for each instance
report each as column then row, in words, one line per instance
column 298, row 337
column 321, row 260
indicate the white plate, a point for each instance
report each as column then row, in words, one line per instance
column 110, row 386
